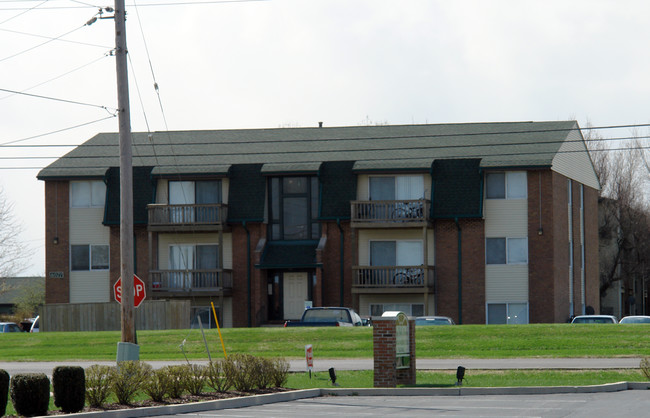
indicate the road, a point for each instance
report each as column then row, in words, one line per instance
column 367, row 364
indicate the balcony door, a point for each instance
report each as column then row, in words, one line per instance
column 193, row 266
column 392, row 255
column 190, row 193
column 396, row 187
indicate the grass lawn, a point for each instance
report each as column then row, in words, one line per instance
column 464, row 341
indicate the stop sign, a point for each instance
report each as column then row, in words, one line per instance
column 139, row 291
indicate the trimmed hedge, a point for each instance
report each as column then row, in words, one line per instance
column 30, row 393
column 4, row 391
column 69, row 388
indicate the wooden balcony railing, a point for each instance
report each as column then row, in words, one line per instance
column 390, row 211
column 187, row 215
column 190, row 280
column 394, row 276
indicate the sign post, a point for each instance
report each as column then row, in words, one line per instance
column 309, row 356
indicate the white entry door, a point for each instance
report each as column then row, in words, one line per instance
column 294, row 292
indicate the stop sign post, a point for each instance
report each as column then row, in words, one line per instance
column 139, row 291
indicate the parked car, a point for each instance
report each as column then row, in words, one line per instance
column 327, row 317
column 636, row 319
column 594, row 319
column 434, row 320
column 9, row 327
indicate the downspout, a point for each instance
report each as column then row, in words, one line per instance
column 460, row 272
column 342, row 267
column 248, row 273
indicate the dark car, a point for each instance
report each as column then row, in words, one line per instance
column 434, row 320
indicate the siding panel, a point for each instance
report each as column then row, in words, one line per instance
column 505, row 283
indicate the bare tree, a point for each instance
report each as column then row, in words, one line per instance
column 624, row 213
column 13, row 253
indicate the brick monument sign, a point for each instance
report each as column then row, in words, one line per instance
column 393, row 338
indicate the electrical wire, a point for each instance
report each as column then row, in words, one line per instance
column 58, row 131
column 22, row 13
column 57, row 77
column 159, row 4
column 54, row 39
column 114, row 110
column 40, row 45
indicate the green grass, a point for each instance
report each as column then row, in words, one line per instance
column 474, row 378
column 465, row 341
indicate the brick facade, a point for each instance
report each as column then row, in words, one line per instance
column 57, row 241
column 471, row 233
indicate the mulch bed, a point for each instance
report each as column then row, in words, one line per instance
column 210, row 396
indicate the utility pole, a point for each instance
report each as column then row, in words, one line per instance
column 126, row 184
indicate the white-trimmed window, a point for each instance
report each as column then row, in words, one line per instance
column 507, row 313
column 506, row 185
column 89, row 257
column 506, row 251
column 411, row 309
column 87, row 194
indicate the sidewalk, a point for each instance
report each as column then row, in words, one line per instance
column 367, row 364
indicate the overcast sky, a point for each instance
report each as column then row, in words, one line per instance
column 293, row 63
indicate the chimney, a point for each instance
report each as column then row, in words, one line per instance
column 320, row 124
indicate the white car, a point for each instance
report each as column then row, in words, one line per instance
column 594, row 319
column 637, row 319
column 434, row 320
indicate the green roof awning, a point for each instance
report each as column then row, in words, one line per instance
column 289, row 254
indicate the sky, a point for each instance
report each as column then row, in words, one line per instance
column 294, row 63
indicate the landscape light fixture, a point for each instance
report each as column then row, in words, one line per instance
column 333, row 376
column 460, row 375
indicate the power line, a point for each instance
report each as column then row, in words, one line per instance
column 266, row 142
column 57, row 77
column 59, row 100
column 54, row 39
column 196, row 164
column 22, row 13
column 41, row 44
column 57, row 131
column 158, row 4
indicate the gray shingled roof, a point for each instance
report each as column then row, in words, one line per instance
column 505, row 144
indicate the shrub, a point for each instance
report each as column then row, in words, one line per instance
column 157, row 384
column 69, row 384
column 30, row 394
column 216, row 378
column 98, row 384
column 127, row 379
column 178, row 376
column 280, row 372
column 197, row 376
column 239, row 369
column 4, row 391
column 262, row 372
column 645, row 367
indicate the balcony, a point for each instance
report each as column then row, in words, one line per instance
column 390, row 213
column 179, row 218
column 184, row 282
column 393, row 279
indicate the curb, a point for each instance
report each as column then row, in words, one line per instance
column 255, row 400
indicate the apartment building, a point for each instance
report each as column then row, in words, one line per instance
column 483, row 222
